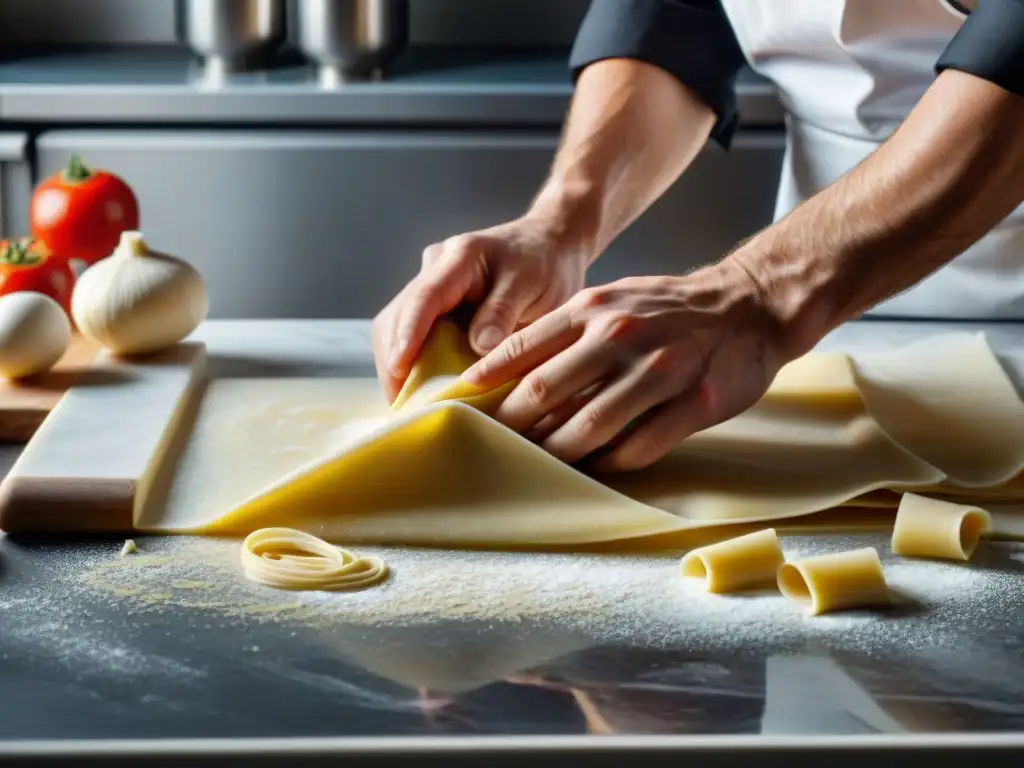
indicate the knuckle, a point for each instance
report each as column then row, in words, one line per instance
column 500, row 309
column 618, row 326
column 461, row 246
column 662, row 361
column 537, row 390
column 511, row 349
column 431, row 254
column 642, row 451
column 630, row 283
column 517, row 345
column 592, row 298
column 624, row 462
column 667, row 364
column 591, row 421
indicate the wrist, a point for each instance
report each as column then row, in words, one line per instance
column 570, row 216
column 793, row 288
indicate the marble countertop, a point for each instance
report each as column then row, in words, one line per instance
column 465, row 655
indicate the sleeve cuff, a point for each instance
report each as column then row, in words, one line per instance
column 691, row 40
column 990, row 45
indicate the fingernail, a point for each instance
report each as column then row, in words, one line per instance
column 489, row 337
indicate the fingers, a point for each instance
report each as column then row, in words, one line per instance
column 733, row 380
column 382, row 335
column 525, row 349
column 381, row 358
column 431, row 255
column 657, row 378
column 540, row 431
column 553, row 383
column 666, row 427
column 437, row 290
column 500, row 313
column 388, row 383
column 725, row 388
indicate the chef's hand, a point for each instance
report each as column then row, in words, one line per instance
column 515, row 272
column 663, row 356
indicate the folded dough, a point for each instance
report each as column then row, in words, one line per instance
column 847, row 436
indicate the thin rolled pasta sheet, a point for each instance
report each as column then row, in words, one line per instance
column 289, row 559
column 332, row 458
column 739, row 563
column 823, row 379
column 436, row 376
column 835, row 582
column 924, row 398
column 934, row 528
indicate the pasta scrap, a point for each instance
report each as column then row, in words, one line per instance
column 289, row 559
column 927, row 527
column 836, row 581
column 738, row 563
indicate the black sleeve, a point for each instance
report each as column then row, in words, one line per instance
column 990, row 45
column 691, row 39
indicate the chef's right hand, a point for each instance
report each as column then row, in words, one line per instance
column 513, row 273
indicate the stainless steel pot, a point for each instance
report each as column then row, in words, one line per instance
column 351, row 39
column 232, row 35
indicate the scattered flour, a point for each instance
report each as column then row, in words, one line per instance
column 612, row 599
column 51, row 618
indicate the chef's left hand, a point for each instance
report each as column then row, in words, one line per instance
column 632, row 368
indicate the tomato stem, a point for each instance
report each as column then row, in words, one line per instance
column 77, row 170
column 19, row 254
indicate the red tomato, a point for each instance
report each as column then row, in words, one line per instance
column 81, row 212
column 28, row 265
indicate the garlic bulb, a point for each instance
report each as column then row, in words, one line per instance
column 137, row 300
column 34, row 334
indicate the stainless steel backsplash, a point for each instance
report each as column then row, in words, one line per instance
column 459, row 22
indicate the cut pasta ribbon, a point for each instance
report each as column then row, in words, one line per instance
column 739, row 563
column 289, row 559
column 932, row 528
column 836, row 581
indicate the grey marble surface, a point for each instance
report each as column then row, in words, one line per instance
column 175, row 645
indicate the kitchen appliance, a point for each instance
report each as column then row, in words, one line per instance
column 351, row 40
column 231, row 35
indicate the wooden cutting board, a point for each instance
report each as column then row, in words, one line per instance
column 24, row 405
column 102, row 453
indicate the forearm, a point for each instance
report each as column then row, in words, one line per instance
column 632, row 130
column 952, row 171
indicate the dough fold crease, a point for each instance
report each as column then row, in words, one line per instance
column 832, row 445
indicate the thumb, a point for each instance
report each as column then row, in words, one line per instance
column 500, row 313
column 433, row 293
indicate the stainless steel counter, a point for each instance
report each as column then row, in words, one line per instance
column 490, row 658
column 426, row 86
column 451, row 141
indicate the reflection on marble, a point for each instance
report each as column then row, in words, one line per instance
column 87, row 655
column 170, row 657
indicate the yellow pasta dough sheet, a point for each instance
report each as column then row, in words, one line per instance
column 832, row 445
